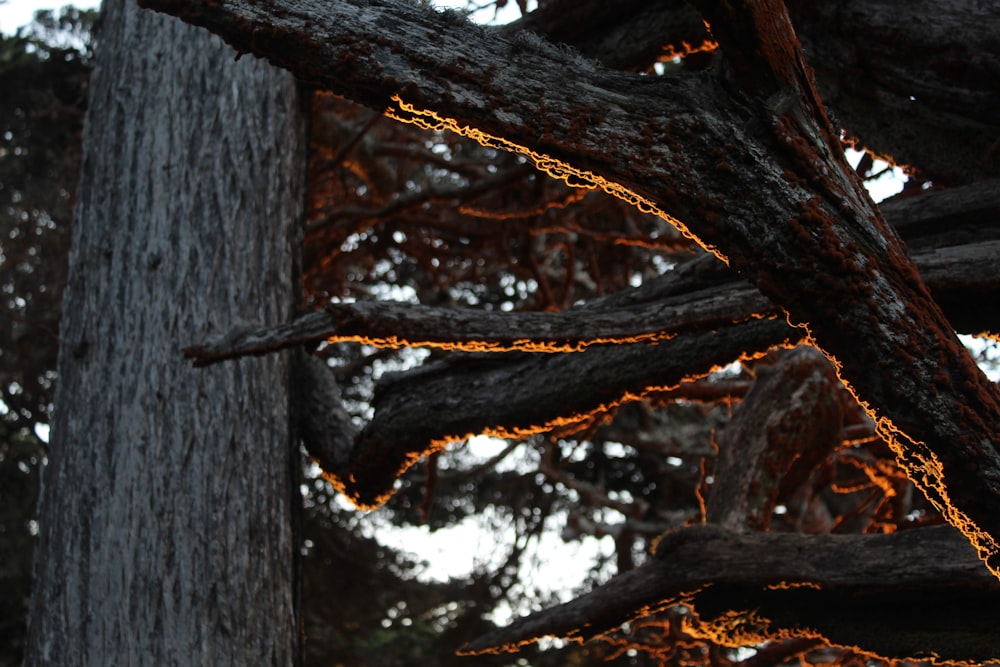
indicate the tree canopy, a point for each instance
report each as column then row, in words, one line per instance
column 590, row 211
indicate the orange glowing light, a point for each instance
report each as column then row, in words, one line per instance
column 572, row 176
column 926, row 471
column 920, row 464
column 575, row 195
column 746, row 627
column 791, row 585
column 520, row 344
column 515, row 432
column 671, row 52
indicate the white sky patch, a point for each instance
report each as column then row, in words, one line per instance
column 17, row 13
column 888, row 184
column 549, row 564
column 986, row 352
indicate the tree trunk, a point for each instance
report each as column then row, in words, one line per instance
column 166, row 532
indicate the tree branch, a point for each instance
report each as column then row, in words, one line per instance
column 954, row 235
column 872, row 61
column 842, row 588
column 510, row 395
column 395, row 325
column 668, row 306
column 747, row 160
column 788, row 423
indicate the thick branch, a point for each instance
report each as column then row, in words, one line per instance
column 922, row 92
column 788, row 423
column 516, row 394
column 393, row 324
column 951, row 217
column 954, row 235
column 961, row 279
column 844, row 588
column 630, row 34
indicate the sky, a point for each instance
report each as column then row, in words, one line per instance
column 16, row 13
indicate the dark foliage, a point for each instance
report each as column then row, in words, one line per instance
column 41, row 116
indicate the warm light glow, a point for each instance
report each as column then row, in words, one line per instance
column 575, row 195
column 926, row 471
column 789, row 585
column 671, row 52
column 878, row 472
column 748, row 627
column 988, row 335
column 521, row 344
column 577, row 178
column 928, row 475
column 921, row 464
column 543, row 345
column 519, row 432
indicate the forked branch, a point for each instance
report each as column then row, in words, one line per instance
column 745, row 162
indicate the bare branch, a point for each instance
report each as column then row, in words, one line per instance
column 841, row 588
column 938, row 118
column 393, row 324
column 517, row 394
column 745, row 162
column 958, row 277
column 788, row 423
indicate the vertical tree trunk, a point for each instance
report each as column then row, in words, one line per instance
column 166, row 519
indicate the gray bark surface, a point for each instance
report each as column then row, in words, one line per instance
column 166, row 532
column 935, row 109
column 788, row 423
column 507, row 395
column 686, row 302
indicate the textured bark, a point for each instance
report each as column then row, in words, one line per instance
column 683, row 301
column 953, row 236
column 518, row 396
column 419, row 412
column 788, row 423
column 920, row 91
column 630, row 34
column 398, row 325
column 910, row 594
column 166, row 517
column 951, row 217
